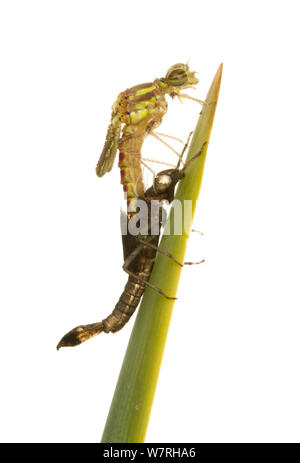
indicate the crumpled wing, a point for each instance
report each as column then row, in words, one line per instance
column 110, row 148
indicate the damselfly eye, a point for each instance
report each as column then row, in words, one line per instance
column 177, row 74
column 162, row 183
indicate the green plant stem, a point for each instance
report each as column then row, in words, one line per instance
column 132, row 401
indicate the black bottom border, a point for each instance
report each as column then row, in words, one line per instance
column 149, row 452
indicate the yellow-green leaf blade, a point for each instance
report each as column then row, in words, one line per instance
column 131, row 405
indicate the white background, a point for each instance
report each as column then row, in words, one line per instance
column 231, row 366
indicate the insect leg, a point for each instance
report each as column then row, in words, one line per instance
column 156, row 248
column 194, row 263
column 146, row 283
column 180, row 155
column 169, row 136
column 153, row 246
column 197, row 231
column 185, row 95
column 165, row 143
column 195, row 156
column 159, row 162
column 147, row 167
column 183, row 151
column 168, row 254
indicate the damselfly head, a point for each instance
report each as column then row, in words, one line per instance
column 179, row 75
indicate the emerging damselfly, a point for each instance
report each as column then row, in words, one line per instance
column 135, row 114
column 140, row 110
